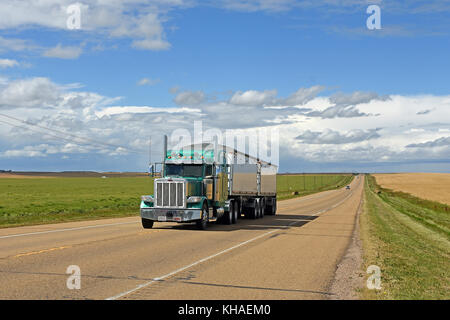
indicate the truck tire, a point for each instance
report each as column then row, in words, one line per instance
column 203, row 223
column 147, row 224
column 268, row 209
column 228, row 216
column 272, row 209
column 236, row 212
column 262, row 208
column 257, row 209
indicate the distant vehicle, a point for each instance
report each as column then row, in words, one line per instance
column 202, row 185
column 347, row 187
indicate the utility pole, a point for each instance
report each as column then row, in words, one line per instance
column 304, row 182
column 150, row 156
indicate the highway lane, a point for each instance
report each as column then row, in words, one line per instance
column 291, row 255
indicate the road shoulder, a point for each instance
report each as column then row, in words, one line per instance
column 349, row 278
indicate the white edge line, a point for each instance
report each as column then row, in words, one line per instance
column 68, row 229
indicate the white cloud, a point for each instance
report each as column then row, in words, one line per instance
column 14, row 44
column 8, row 63
column 138, row 20
column 63, row 52
column 253, row 97
column 151, row 44
column 111, row 111
column 148, row 81
column 29, row 93
column 441, row 142
column 329, row 136
column 302, row 96
column 396, row 134
column 189, row 98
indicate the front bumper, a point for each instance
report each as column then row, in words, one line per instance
column 171, row 215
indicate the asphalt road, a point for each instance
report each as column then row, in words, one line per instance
column 292, row 255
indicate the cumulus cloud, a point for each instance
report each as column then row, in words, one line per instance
column 148, row 82
column 8, row 63
column 355, row 98
column 63, row 52
column 329, row 136
column 91, row 124
column 441, row 142
column 138, row 20
column 190, row 98
column 253, row 97
column 28, row 152
column 29, row 93
column 42, row 93
column 14, row 44
column 302, row 96
column 345, row 105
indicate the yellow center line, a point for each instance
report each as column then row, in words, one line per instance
column 40, row 251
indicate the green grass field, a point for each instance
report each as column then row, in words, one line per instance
column 409, row 239
column 47, row 200
column 28, row 201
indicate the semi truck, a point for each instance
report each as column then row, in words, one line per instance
column 208, row 182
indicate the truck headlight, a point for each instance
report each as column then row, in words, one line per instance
column 147, row 199
column 194, row 199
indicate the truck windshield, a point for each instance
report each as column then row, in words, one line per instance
column 184, row 170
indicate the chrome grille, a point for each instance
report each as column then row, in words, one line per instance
column 169, row 194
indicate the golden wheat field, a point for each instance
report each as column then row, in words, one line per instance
column 430, row 186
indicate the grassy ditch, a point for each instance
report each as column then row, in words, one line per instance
column 409, row 239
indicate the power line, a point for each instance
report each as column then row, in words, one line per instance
column 108, row 146
column 90, row 141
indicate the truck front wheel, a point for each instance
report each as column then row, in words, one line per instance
column 147, row 224
column 203, row 223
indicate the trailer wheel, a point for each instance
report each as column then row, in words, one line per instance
column 262, row 208
column 228, row 217
column 257, row 209
column 272, row 209
column 147, row 224
column 268, row 209
column 235, row 212
column 203, row 223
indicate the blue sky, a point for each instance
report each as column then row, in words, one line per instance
column 386, row 91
